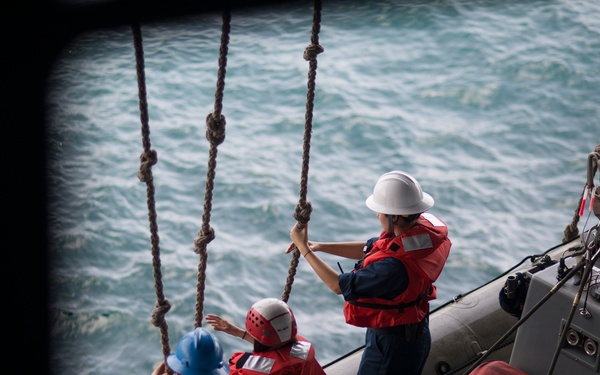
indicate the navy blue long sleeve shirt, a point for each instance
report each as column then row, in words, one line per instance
column 386, row 278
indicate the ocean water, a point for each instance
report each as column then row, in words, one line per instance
column 492, row 106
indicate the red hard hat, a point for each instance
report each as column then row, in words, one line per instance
column 271, row 322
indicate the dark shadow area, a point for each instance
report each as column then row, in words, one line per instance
column 33, row 35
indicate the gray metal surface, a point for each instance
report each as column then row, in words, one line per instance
column 538, row 338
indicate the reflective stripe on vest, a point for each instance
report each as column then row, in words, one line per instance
column 300, row 350
column 433, row 220
column 422, row 241
column 259, row 364
column 418, row 242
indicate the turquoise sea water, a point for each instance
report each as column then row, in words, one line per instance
column 492, row 106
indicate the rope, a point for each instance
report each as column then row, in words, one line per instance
column 148, row 158
column 304, row 209
column 571, row 231
column 215, row 133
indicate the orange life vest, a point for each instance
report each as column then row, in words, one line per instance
column 292, row 359
column 423, row 250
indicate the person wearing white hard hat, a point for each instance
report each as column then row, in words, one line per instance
column 389, row 290
column 278, row 349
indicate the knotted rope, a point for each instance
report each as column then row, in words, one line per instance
column 215, row 133
column 304, row 209
column 148, row 158
column 571, row 231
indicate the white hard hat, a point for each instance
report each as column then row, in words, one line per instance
column 398, row 193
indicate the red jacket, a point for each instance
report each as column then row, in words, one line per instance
column 292, row 359
column 496, row 368
column 423, row 250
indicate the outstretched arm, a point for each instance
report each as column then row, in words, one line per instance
column 351, row 250
column 327, row 274
column 220, row 324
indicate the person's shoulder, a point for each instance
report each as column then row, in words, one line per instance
column 301, row 338
column 237, row 355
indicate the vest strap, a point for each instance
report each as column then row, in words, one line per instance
column 410, row 331
column 399, row 306
column 242, row 360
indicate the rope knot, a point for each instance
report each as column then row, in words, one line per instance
column 215, row 129
column 159, row 312
column 147, row 160
column 311, row 52
column 204, row 239
column 302, row 212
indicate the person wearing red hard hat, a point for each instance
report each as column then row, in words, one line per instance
column 278, row 349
